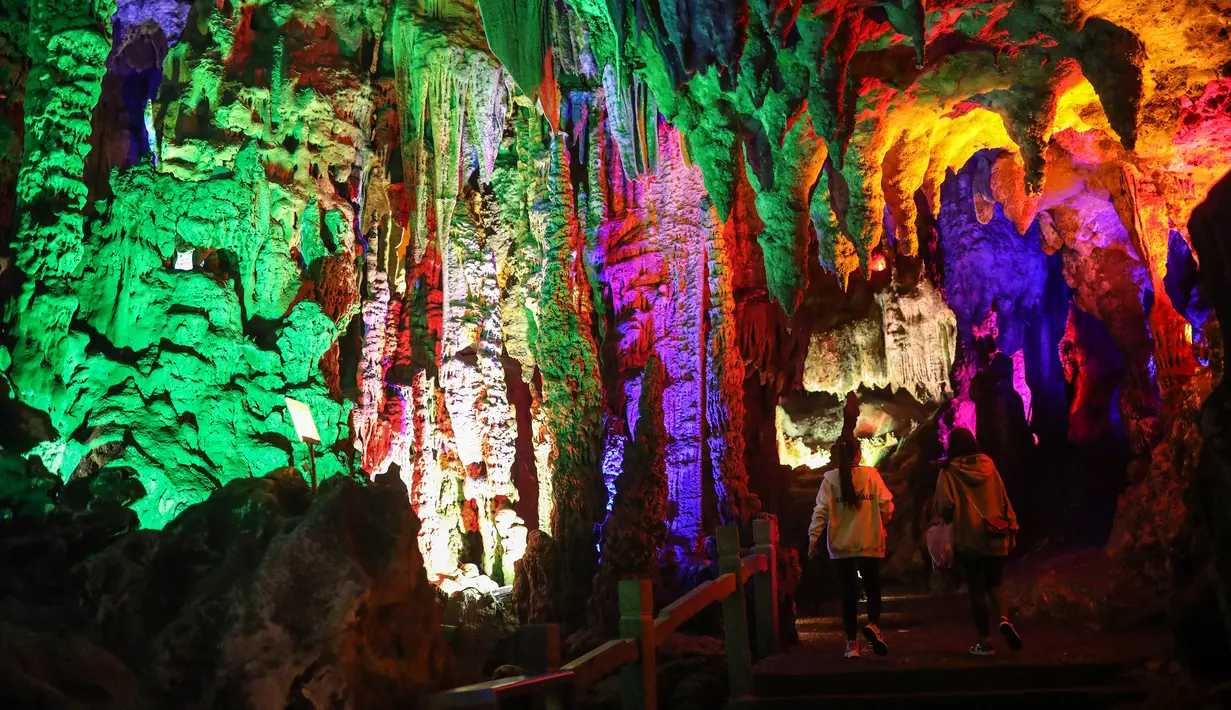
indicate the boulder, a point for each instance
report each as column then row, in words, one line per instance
column 910, row 473
column 484, row 627
column 46, row 527
column 532, row 594
column 26, row 488
column 60, row 670
column 264, row 596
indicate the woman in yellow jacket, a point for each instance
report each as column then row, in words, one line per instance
column 854, row 504
column 970, row 494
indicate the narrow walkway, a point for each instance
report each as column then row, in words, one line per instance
column 929, row 664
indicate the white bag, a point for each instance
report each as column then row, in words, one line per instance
column 940, row 545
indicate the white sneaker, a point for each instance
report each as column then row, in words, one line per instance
column 982, row 649
column 852, row 649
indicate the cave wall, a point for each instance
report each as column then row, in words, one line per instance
column 461, row 231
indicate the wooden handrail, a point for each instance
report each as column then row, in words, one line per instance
column 753, row 564
column 601, row 662
column 634, row 654
column 681, row 610
column 493, row 692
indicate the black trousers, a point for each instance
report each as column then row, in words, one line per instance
column 983, row 575
column 850, row 569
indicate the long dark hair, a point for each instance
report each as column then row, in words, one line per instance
column 962, row 442
column 846, row 462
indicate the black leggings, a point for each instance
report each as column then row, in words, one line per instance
column 869, row 569
column 984, row 579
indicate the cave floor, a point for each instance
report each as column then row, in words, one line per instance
column 1063, row 662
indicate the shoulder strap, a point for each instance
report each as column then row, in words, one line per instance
column 971, row 499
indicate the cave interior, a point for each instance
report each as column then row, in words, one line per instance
column 580, row 281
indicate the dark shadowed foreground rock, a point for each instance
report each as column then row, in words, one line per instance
column 482, row 633
column 532, row 593
column 260, row 597
column 1203, row 595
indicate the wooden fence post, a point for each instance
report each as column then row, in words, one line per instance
column 735, row 615
column 765, row 539
column 542, row 652
column 540, row 648
column 638, row 681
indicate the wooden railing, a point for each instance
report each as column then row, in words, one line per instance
column 634, row 654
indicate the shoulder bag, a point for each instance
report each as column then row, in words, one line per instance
column 995, row 526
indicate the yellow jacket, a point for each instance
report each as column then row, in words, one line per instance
column 968, row 489
column 853, row 532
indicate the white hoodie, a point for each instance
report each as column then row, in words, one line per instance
column 853, row 532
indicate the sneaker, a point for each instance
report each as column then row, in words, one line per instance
column 852, row 649
column 982, row 649
column 872, row 633
column 1010, row 634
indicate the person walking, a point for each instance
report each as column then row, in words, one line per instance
column 971, row 496
column 852, row 507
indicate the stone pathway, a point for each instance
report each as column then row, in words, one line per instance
column 928, row 666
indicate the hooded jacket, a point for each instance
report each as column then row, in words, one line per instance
column 853, row 532
column 968, row 489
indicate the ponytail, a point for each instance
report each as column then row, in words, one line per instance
column 846, row 482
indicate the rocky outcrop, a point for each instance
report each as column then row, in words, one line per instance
column 1205, row 577
column 482, row 631
column 636, row 532
column 262, row 596
column 911, row 473
column 532, row 594
column 1150, row 522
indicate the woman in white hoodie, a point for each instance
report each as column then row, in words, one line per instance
column 854, row 504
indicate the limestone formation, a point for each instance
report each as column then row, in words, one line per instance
column 460, row 232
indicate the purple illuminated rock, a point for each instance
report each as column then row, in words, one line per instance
column 987, row 267
column 171, row 15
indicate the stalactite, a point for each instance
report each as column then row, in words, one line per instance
column 920, row 341
column 446, row 108
column 783, row 203
column 724, row 377
column 848, row 358
column 837, row 252
column 486, row 94
column 516, row 32
column 1142, row 207
column 903, row 171
column 572, row 389
column 520, row 184
column 618, row 105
